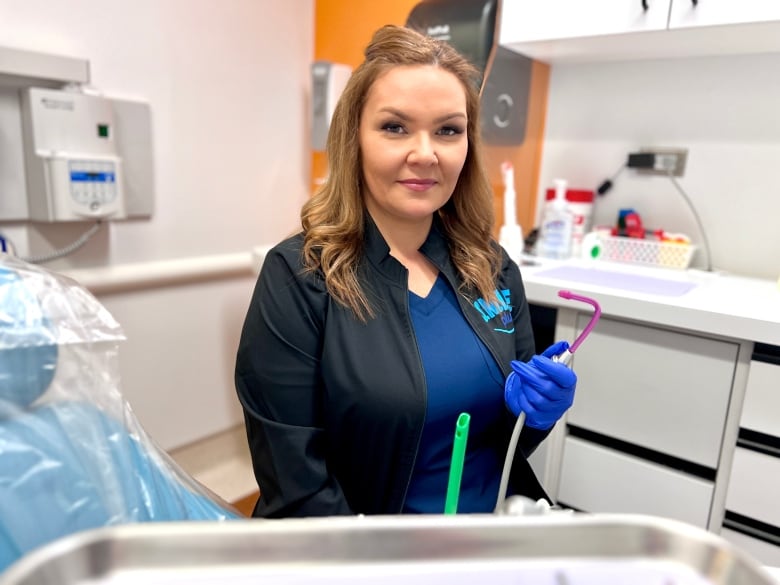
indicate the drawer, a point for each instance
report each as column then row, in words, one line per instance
column 763, row 552
column 754, row 486
column 761, row 409
column 598, row 479
column 659, row 389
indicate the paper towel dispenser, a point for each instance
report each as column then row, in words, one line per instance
column 471, row 27
column 468, row 25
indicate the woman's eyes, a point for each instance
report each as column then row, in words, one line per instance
column 450, row 131
column 396, row 128
column 393, row 128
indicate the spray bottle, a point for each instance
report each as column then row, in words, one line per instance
column 556, row 229
column 511, row 234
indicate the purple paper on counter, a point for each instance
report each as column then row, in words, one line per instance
column 624, row 281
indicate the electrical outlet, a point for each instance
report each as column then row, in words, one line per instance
column 667, row 160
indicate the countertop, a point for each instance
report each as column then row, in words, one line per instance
column 717, row 303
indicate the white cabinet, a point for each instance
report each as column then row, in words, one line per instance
column 754, row 486
column 646, row 431
column 560, row 19
column 761, row 409
column 752, row 518
column 764, row 552
column 598, row 30
column 654, row 388
column 686, row 13
column 601, row 480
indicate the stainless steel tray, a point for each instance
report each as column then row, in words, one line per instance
column 570, row 549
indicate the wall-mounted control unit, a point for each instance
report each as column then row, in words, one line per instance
column 72, row 164
column 328, row 80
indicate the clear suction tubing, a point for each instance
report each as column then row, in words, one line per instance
column 563, row 358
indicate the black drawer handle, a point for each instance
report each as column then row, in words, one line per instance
column 644, row 5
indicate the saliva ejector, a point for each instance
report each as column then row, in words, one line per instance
column 563, row 358
column 566, row 356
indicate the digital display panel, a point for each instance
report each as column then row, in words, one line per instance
column 92, row 176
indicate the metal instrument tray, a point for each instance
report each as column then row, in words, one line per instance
column 573, row 549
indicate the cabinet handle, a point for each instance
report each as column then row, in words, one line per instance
column 644, row 5
column 695, row 3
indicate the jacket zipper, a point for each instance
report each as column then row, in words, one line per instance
column 476, row 328
column 425, row 397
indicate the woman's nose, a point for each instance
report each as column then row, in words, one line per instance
column 423, row 151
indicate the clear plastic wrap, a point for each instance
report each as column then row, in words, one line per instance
column 73, row 456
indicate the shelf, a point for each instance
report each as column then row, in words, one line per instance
column 21, row 67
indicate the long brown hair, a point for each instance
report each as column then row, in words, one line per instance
column 333, row 219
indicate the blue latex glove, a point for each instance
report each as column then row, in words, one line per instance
column 541, row 388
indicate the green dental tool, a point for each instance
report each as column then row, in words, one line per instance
column 456, row 465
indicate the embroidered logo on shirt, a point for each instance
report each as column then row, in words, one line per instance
column 500, row 307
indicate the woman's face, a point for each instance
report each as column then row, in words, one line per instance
column 413, row 142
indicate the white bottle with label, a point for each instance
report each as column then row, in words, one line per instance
column 556, row 228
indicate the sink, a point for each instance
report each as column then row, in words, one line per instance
column 620, row 279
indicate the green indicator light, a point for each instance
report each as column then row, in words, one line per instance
column 102, row 130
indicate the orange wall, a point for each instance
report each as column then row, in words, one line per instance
column 342, row 29
column 526, row 158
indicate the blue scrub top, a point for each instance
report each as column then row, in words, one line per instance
column 461, row 376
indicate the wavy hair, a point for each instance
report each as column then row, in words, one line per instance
column 333, row 219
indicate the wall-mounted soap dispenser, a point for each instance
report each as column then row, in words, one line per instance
column 328, row 81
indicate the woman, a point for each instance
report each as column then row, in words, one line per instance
column 394, row 310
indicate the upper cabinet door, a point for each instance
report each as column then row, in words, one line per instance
column 688, row 14
column 523, row 21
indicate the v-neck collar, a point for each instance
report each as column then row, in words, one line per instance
column 435, row 297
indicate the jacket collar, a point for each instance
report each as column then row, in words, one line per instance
column 435, row 246
column 378, row 252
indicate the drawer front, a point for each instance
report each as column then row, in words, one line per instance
column 598, row 479
column 754, row 486
column 659, row 389
column 763, row 552
column 761, row 409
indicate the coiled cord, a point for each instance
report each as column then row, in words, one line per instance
column 69, row 249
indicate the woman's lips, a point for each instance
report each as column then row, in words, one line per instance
column 418, row 184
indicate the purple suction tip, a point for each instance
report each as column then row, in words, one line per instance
column 566, row 294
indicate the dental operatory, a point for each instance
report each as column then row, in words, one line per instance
column 337, row 291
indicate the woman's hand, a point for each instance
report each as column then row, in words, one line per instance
column 541, row 388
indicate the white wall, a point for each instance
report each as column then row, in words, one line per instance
column 228, row 83
column 723, row 109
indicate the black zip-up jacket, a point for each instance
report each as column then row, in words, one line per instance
column 334, row 407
